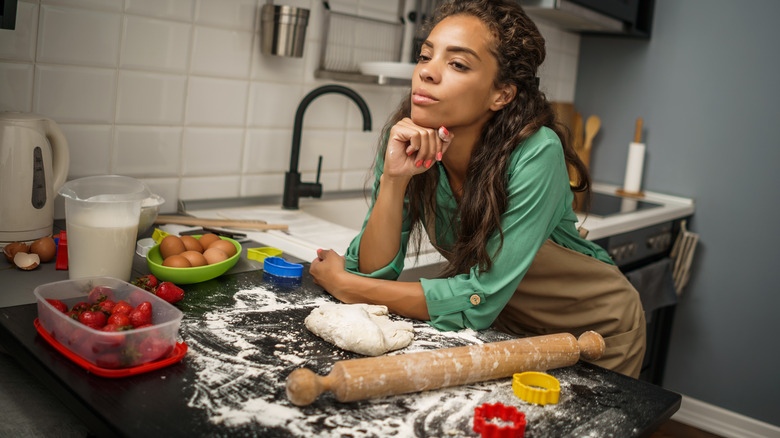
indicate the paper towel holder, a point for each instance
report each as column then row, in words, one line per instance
column 637, row 141
column 283, row 30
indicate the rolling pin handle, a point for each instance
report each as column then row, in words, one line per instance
column 591, row 345
column 304, row 386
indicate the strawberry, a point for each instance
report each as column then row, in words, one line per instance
column 120, row 320
column 59, row 305
column 152, row 348
column 79, row 307
column 146, row 282
column 109, row 360
column 105, row 306
column 93, row 318
column 142, row 314
column 170, row 292
column 99, row 293
column 122, row 307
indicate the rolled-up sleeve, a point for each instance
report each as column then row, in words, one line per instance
column 538, row 188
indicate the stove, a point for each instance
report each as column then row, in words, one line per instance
column 636, row 246
column 639, row 250
column 606, row 204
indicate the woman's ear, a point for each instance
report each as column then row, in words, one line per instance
column 504, row 96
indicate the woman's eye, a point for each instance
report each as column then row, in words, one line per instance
column 458, row 66
column 422, row 58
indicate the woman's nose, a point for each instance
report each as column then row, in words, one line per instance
column 429, row 72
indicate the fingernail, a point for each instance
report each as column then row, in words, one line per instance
column 438, row 156
column 410, row 152
column 418, row 164
column 443, row 132
column 428, row 163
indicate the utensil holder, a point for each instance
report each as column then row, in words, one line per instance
column 283, row 30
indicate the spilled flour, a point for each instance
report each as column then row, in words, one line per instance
column 242, row 354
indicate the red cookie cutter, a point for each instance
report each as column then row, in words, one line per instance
column 482, row 414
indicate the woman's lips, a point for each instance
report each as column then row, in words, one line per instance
column 422, row 97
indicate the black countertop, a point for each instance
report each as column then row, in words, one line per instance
column 245, row 335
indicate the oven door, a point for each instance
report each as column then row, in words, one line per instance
column 656, row 289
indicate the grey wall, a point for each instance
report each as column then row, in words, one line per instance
column 708, row 87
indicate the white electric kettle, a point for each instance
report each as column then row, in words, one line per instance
column 34, row 161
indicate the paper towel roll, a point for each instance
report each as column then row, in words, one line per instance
column 636, row 161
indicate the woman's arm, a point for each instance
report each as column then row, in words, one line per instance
column 411, row 150
column 402, row 298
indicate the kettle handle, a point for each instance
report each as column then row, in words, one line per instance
column 60, row 154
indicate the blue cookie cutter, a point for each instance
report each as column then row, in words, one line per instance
column 280, row 267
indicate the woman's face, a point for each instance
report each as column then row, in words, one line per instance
column 452, row 84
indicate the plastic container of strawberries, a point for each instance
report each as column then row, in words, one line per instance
column 108, row 350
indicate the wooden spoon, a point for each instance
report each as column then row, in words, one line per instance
column 577, row 132
column 592, row 126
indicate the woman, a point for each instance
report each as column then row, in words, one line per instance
column 474, row 159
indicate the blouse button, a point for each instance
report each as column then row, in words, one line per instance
column 474, row 299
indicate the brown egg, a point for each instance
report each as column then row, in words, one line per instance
column 226, row 247
column 191, row 244
column 171, row 245
column 195, row 258
column 207, row 239
column 45, row 248
column 177, row 261
column 214, row 255
column 11, row 249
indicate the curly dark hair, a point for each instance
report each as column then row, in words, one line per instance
column 519, row 49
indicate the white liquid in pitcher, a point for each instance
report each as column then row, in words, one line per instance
column 95, row 251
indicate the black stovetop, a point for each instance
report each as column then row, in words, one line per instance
column 606, row 204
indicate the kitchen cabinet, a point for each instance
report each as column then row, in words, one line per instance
column 624, row 18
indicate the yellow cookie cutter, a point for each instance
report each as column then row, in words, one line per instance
column 260, row 254
column 158, row 235
column 537, row 388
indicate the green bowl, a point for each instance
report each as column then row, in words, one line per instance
column 190, row 275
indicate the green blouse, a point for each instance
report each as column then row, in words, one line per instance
column 539, row 208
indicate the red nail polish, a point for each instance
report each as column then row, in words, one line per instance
column 428, row 163
column 410, row 152
column 418, row 164
column 444, row 129
column 438, row 156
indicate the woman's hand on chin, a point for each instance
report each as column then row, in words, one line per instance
column 412, row 149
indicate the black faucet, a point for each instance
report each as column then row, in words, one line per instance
column 293, row 187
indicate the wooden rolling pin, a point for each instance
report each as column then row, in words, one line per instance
column 200, row 222
column 358, row 379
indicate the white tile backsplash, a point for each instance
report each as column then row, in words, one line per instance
column 267, row 150
column 221, row 52
column 212, row 151
column 273, row 105
column 235, row 14
column 155, row 44
column 99, row 5
column 183, row 10
column 74, row 94
column 216, row 102
column 210, row 187
column 150, row 98
column 16, row 81
column 176, row 93
column 90, row 149
column 78, row 36
column 147, row 151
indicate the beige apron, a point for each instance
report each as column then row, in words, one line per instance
column 567, row 291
